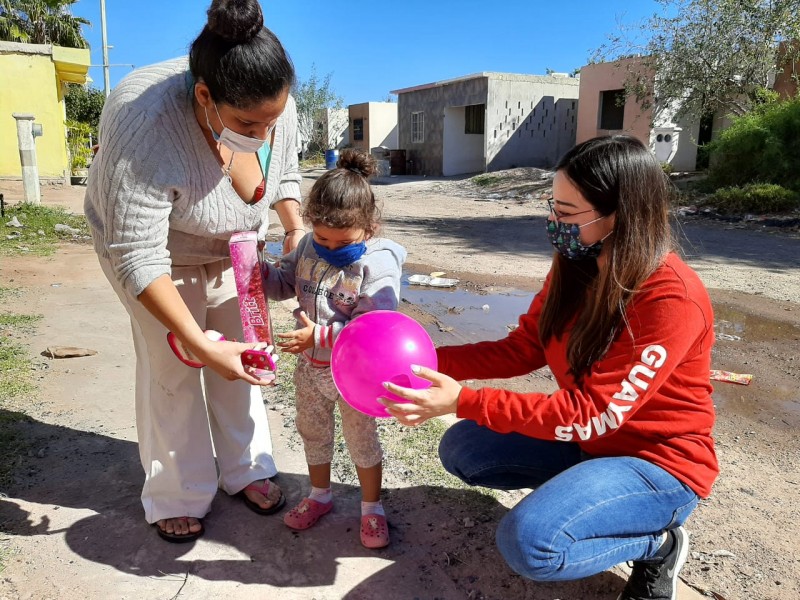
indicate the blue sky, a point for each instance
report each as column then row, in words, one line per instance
column 373, row 47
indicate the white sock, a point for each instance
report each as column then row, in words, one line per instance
column 372, row 508
column 321, row 495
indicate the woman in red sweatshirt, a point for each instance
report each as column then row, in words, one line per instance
column 620, row 454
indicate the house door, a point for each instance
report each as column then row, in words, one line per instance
column 462, row 151
column 704, row 136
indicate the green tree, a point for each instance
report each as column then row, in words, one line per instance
column 762, row 146
column 313, row 96
column 42, row 22
column 707, row 55
column 84, row 105
column 78, row 144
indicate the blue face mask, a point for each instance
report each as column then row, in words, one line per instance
column 341, row 257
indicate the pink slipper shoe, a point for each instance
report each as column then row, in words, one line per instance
column 305, row 514
column 374, row 531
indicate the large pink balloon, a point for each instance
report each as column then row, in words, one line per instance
column 375, row 347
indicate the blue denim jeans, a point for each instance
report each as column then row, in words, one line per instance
column 585, row 514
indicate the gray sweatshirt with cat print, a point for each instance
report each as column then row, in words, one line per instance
column 332, row 296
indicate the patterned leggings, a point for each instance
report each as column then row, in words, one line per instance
column 316, row 399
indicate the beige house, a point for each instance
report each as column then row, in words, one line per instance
column 331, row 129
column 604, row 109
column 373, row 124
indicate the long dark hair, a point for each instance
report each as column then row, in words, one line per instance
column 242, row 62
column 615, row 174
column 343, row 197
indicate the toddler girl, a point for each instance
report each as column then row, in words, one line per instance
column 338, row 271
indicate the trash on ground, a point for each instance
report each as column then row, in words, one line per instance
column 729, row 337
column 61, row 228
column 444, row 328
column 740, row 378
column 432, row 281
column 14, row 222
column 67, row 352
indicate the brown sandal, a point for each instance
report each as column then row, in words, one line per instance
column 264, row 490
column 180, row 538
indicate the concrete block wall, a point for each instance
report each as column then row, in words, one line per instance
column 531, row 121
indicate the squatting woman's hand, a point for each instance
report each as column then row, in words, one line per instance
column 439, row 399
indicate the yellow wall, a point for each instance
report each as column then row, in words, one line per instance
column 30, row 83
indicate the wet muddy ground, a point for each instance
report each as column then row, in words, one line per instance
column 474, row 312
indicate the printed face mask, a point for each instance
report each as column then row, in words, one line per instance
column 341, row 257
column 566, row 238
column 235, row 142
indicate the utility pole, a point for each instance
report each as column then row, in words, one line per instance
column 106, row 80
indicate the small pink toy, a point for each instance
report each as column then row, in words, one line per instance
column 259, row 359
column 253, row 307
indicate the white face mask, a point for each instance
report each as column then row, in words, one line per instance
column 235, row 142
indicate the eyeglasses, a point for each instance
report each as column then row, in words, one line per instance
column 559, row 215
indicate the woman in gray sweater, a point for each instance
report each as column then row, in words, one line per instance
column 192, row 151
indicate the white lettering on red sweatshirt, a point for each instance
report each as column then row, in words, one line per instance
column 649, row 396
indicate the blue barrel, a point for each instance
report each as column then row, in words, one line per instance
column 331, row 156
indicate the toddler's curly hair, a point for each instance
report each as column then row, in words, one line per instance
column 342, row 197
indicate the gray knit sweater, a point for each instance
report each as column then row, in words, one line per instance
column 156, row 195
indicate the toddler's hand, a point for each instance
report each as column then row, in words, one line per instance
column 300, row 339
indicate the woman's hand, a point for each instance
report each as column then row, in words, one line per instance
column 439, row 399
column 288, row 210
column 225, row 359
column 291, row 238
column 300, row 339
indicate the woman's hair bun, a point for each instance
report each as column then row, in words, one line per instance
column 359, row 162
column 235, row 20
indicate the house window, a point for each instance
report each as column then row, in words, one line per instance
column 612, row 109
column 474, row 118
column 417, row 127
column 358, row 129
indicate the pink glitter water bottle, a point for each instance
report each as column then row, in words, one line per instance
column 253, row 307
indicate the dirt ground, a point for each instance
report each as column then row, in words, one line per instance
column 72, row 523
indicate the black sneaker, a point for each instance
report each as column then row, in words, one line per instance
column 654, row 580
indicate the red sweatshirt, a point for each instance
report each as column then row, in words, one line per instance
column 649, row 396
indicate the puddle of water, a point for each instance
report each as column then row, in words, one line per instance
column 272, row 251
column 477, row 324
column 475, row 316
column 749, row 401
column 733, row 325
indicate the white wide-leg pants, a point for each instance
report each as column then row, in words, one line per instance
column 186, row 416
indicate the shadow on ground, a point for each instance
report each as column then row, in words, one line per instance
column 526, row 236
column 442, row 539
